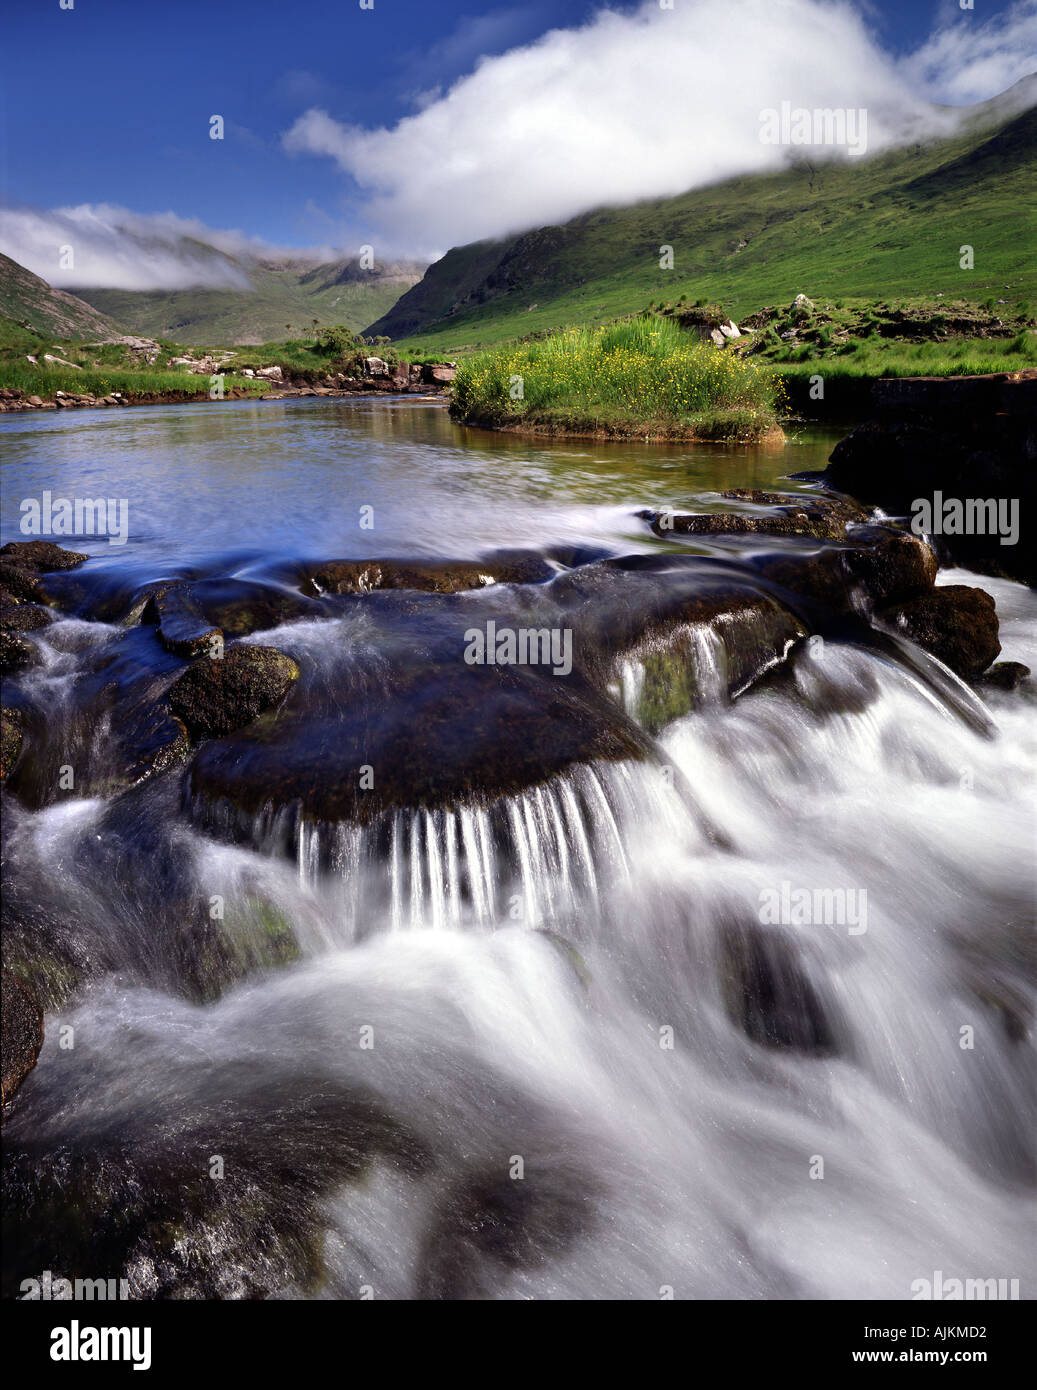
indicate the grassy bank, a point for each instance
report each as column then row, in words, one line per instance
column 99, row 369
column 644, row 377
column 102, row 368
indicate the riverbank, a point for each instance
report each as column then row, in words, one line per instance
column 37, row 374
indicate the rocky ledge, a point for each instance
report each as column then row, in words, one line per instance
column 960, row 455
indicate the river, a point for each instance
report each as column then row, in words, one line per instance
column 538, row 1043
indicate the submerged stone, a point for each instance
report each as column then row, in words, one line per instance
column 768, row 993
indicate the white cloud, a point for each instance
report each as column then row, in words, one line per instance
column 639, row 105
column 113, row 248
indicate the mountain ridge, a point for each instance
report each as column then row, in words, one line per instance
column 890, row 224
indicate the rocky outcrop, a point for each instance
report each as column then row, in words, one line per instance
column 951, row 438
column 41, row 556
column 955, row 622
column 215, row 697
column 21, row 1034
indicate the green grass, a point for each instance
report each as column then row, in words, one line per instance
column 645, row 376
column 101, row 381
column 101, row 369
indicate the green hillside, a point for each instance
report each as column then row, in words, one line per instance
column 29, row 301
column 891, row 226
column 280, row 294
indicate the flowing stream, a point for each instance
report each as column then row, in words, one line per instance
column 541, row 1043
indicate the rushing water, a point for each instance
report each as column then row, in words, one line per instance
column 569, row 981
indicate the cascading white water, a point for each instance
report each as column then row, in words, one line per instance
column 371, row 1023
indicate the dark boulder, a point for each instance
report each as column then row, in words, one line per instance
column 956, row 623
column 489, row 1223
column 182, row 626
column 436, row 736
column 217, row 696
column 877, row 564
column 41, row 555
column 962, row 437
column 788, row 514
column 23, row 617
column 21, row 1034
column 1006, row 675
column 239, row 607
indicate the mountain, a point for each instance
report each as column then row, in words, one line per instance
column 889, row 225
column 29, row 300
column 267, row 296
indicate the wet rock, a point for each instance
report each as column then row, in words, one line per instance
column 19, row 581
column 824, row 518
column 153, row 743
column 23, row 617
column 133, row 1192
column 21, row 1034
column 432, row 576
column 239, row 607
column 213, row 954
column 768, row 994
column 956, row 623
column 881, row 564
column 182, row 626
column 10, row 740
column 1006, row 675
column 694, row 631
column 41, row 555
column 15, row 651
column 960, row 437
column 113, row 731
column 215, row 697
column 437, row 736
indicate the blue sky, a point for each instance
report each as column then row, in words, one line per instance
column 109, row 103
